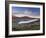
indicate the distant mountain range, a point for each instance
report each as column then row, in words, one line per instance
column 23, row 15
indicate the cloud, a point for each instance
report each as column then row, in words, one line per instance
column 25, row 13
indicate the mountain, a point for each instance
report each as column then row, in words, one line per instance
column 24, row 19
column 28, row 25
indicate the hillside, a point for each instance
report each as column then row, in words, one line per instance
column 27, row 26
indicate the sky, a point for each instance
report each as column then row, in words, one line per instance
column 26, row 10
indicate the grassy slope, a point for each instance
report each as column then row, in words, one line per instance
column 26, row 27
